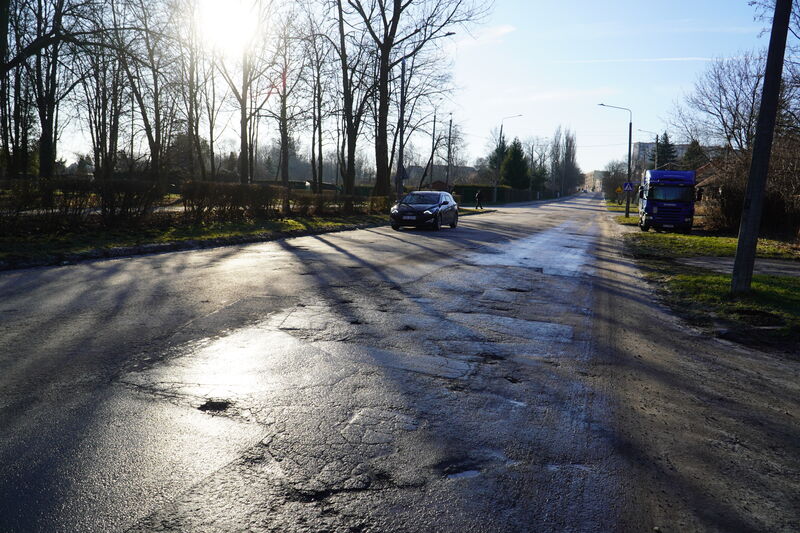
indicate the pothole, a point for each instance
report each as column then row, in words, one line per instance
column 462, row 468
column 408, row 328
column 517, row 289
column 215, row 406
column 512, row 379
column 490, row 357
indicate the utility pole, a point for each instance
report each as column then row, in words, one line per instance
column 762, row 149
column 628, row 193
column 433, row 147
column 449, row 151
column 655, row 157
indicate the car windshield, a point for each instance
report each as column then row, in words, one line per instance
column 421, row 199
column 671, row 194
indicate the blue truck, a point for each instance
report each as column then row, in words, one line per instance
column 666, row 200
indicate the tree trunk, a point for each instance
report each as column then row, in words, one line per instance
column 244, row 158
column 284, row 132
column 319, row 135
column 382, row 170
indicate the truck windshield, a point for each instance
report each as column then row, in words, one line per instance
column 671, row 194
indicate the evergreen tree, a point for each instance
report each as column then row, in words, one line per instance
column 514, row 170
column 666, row 152
column 694, row 157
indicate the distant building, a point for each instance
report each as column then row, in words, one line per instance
column 594, row 179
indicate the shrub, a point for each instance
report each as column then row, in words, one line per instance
column 300, row 202
column 127, row 200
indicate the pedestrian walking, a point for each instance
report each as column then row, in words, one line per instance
column 478, row 204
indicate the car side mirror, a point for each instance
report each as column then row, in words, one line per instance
column 444, row 202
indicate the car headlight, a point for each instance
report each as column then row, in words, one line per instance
column 394, row 209
column 427, row 212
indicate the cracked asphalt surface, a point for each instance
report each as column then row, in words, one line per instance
column 487, row 378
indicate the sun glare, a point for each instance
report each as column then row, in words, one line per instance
column 227, row 26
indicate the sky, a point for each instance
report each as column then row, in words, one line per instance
column 554, row 61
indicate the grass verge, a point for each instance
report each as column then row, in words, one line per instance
column 769, row 316
column 674, row 245
column 627, row 221
column 39, row 248
column 50, row 246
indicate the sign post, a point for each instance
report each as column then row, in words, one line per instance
column 628, row 189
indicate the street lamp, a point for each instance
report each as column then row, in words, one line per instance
column 497, row 176
column 630, row 138
column 655, row 156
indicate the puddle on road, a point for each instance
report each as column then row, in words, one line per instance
column 558, row 251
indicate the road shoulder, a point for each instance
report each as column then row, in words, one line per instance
column 706, row 431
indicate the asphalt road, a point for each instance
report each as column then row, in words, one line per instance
column 495, row 377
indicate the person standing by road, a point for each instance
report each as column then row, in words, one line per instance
column 478, row 204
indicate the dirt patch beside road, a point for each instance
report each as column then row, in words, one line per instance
column 709, row 431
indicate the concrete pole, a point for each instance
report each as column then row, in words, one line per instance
column 762, row 148
column 433, row 147
column 628, row 193
column 449, row 151
column 655, row 158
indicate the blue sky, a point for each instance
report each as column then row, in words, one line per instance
column 554, row 61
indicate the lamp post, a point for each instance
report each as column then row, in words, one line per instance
column 655, row 156
column 497, row 175
column 630, row 138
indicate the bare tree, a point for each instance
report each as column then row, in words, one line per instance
column 147, row 55
column 357, row 84
column 288, row 74
column 318, row 54
column 400, row 29
column 248, row 84
column 103, row 97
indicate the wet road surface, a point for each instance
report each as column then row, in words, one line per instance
column 362, row 381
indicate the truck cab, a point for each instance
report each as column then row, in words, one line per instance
column 666, row 200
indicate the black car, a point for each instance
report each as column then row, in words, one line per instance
column 425, row 209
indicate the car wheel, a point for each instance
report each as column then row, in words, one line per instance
column 395, row 227
column 454, row 223
column 437, row 223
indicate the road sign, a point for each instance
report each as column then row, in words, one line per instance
column 619, row 189
column 628, row 186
